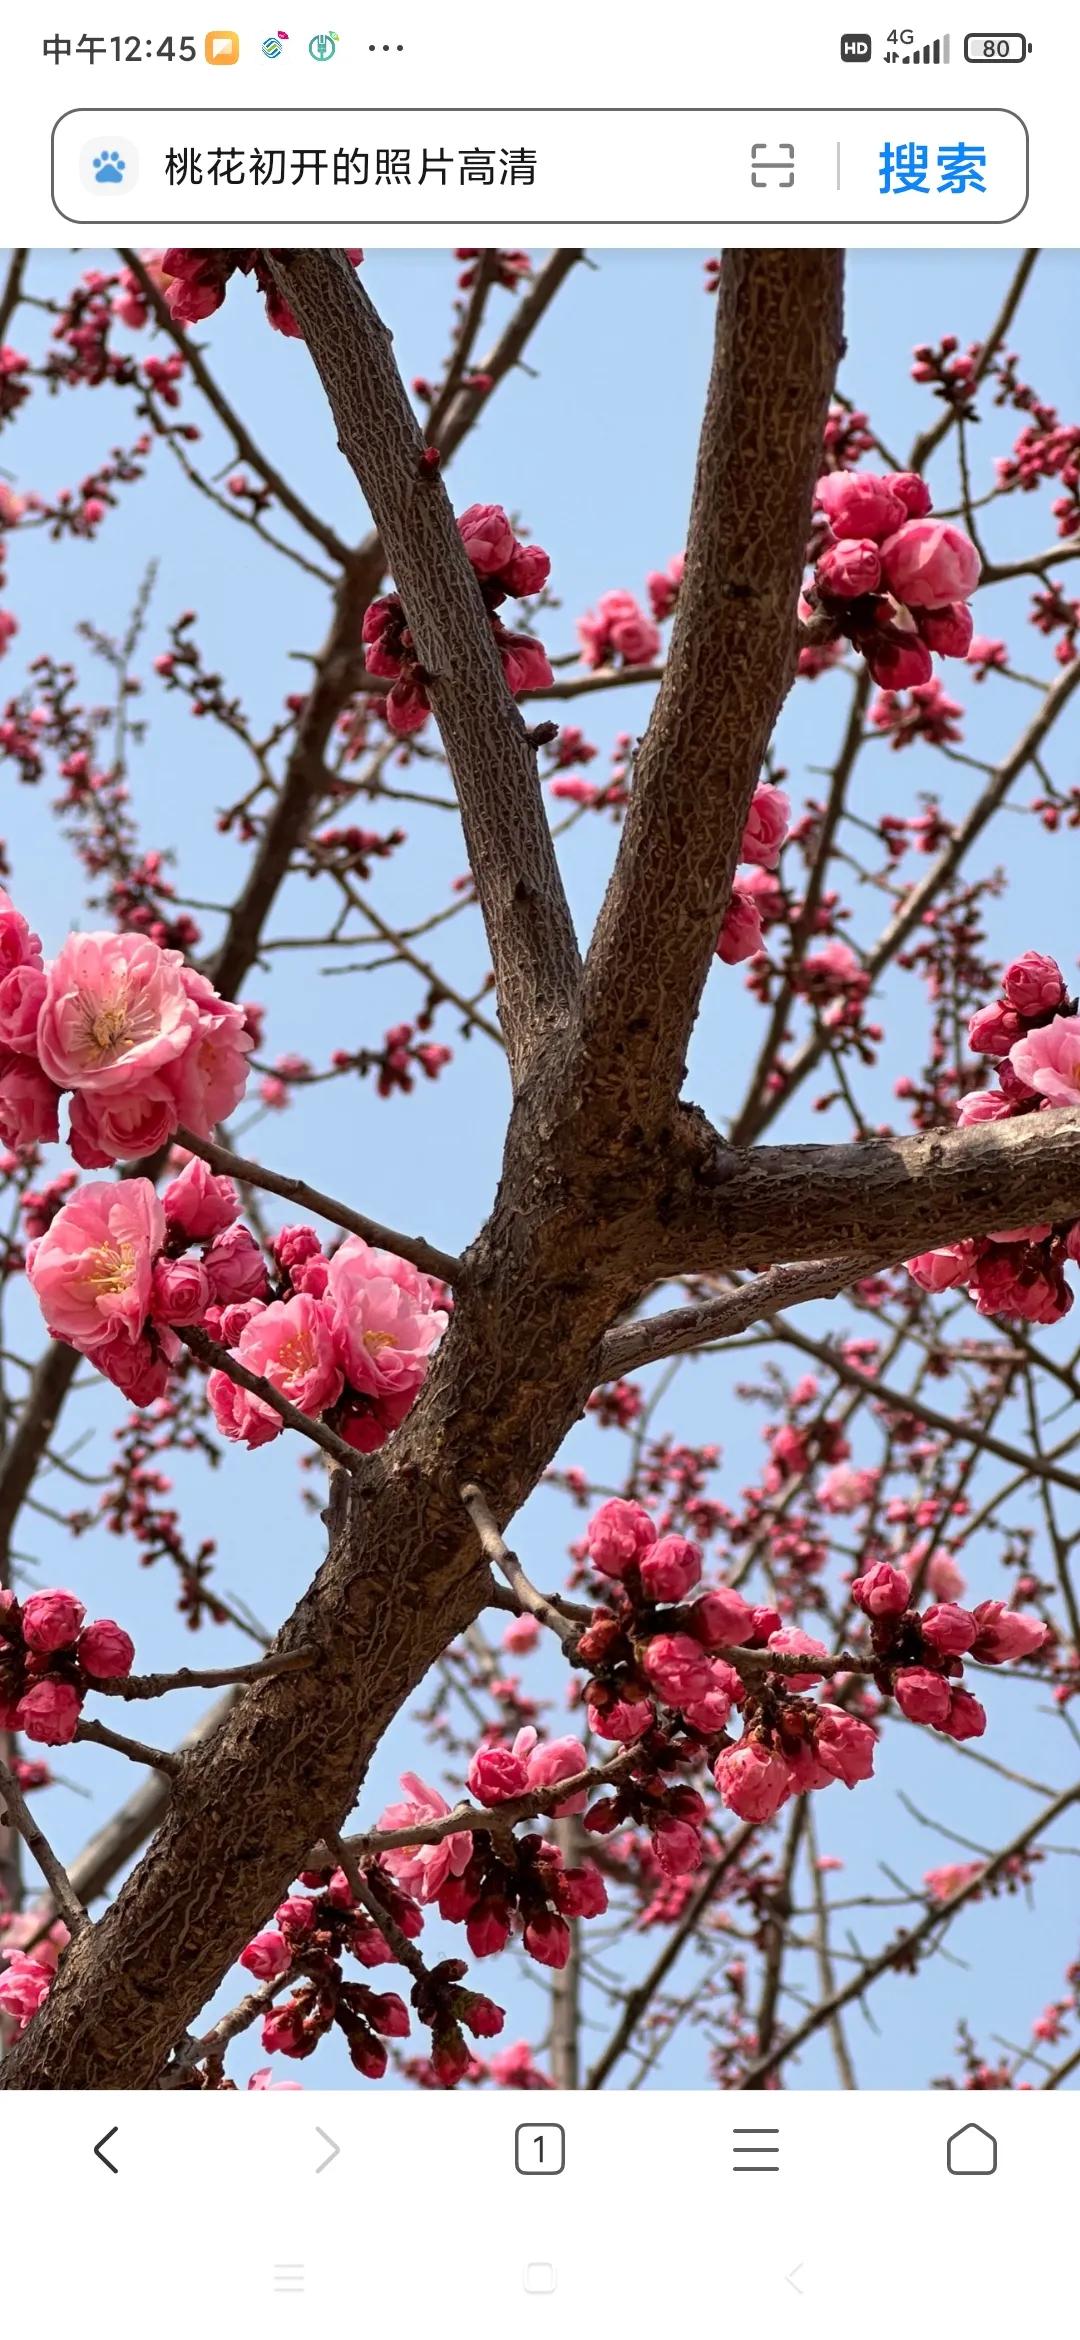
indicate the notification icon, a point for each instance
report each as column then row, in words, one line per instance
column 222, row 48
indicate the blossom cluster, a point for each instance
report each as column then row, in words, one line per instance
column 119, row 1271
column 194, row 285
column 504, row 567
column 1032, row 1031
column 311, row 1934
column 495, row 1883
column 890, row 579
column 143, row 1042
column 919, row 1659
column 49, row 1657
column 763, row 838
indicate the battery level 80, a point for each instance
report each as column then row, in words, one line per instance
column 996, row 48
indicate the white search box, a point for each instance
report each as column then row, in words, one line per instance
column 478, row 167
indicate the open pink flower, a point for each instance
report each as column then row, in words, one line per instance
column 384, row 1319
column 115, row 1010
column 92, row 1268
column 209, row 1078
column 1048, row 1060
column 292, row 1345
column 423, row 1869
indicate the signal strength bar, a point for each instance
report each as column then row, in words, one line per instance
column 934, row 53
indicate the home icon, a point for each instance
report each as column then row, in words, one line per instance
column 971, row 2152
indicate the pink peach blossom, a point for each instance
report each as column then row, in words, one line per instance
column 51, row 1621
column 92, row 1269
column 940, row 1271
column 487, row 536
column 928, row 563
column 121, row 1128
column 1048, row 1060
column 552, row 1760
column 291, row 1344
column 28, row 1102
column 106, row 1650
column 849, row 569
column 49, row 1712
column 624, row 1720
column 179, row 1291
column 22, row 991
column 882, row 1592
column 722, row 1619
column 423, row 1869
column 496, row 1774
column 209, row 1078
column 670, row 1568
column 385, row 1321
column 268, row 1957
column 767, row 825
column 198, row 1204
column 239, row 1414
column 115, row 1010
column 740, row 934
column 791, row 1641
column 618, row 1536
column 24, row 1986
column 947, row 631
column 1002, row 1634
column 921, row 1695
column 948, row 1629
column 966, row 1719
column 843, row 1745
column 235, row 1267
column 677, row 1668
column 860, row 504
column 1033, row 984
column 753, row 1780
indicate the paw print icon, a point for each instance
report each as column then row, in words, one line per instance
column 109, row 164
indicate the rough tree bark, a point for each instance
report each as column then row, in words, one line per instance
column 607, row 1182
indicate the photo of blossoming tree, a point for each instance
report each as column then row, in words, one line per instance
column 576, row 754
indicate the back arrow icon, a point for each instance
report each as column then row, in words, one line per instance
column 791, row 2278
column 331, row 2156
column 100, row 2156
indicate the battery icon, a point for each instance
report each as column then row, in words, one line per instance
column 996, row 48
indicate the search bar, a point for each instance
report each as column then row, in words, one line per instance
column 477, row 167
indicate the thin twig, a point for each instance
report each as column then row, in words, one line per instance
column 308, row 1198
column 222, row 1360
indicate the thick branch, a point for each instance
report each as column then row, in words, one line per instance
column 893, row 1196
column 730, row 665
column 529, row 929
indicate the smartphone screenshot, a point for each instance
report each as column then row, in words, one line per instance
column 539, row 1170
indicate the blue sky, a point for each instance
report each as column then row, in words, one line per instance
column 596, row 457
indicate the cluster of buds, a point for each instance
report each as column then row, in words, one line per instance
column 1032, row 1031
column 669, row 1676
column 520, row 1883
column 504, row 568
column 892, row 581
column 49, row 1658
column 919, row 1659
column 194, row 283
